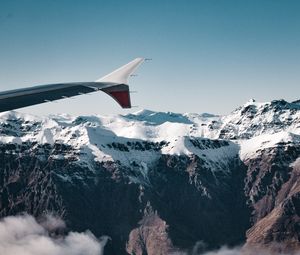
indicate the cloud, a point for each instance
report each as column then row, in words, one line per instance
column 23, row 235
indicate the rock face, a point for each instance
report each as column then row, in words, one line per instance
column 159, row 183
column 274, row 196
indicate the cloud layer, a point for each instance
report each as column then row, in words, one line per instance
column 23, row 235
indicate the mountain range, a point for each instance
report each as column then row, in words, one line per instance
column 160, row 182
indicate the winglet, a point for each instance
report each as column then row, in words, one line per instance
column 121, row 75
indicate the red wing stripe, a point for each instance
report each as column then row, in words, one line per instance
column 122, row 97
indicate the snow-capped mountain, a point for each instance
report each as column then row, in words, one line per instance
column 159, row 181
column 144, row 135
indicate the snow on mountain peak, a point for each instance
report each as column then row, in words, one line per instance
column 157, row 118
column 143, row 135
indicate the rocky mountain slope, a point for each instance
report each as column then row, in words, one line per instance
column 160, row 183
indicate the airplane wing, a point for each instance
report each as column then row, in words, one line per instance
column 114, row 84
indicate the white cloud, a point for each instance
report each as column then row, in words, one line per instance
column 23, row 235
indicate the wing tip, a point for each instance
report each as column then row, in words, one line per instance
column 121, row 75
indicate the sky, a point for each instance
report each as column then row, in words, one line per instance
column 207, row 55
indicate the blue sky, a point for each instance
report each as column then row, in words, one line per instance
column 208, row 55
